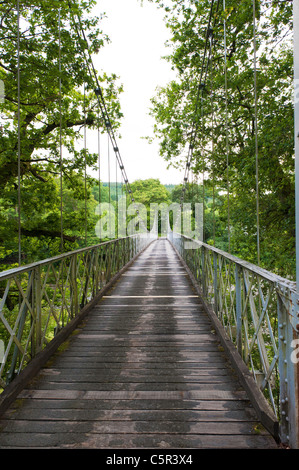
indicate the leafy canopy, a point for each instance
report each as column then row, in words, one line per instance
column 225, row 155
column 48, row 30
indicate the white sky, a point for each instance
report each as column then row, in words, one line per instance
column 138, row 36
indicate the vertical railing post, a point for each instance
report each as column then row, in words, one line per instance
column 122, row 252
column 289, row 375
column 292, row 333
column 238, row 308
column 296, row 126
column 203, row 272
column 283, row 367
column 116, row 257
column 96, row 273
column 134, row 247
column 126, row 250
column 215, row 282
column 38, row 308
column 74, row 287
column 108, row 264
column 294, row 373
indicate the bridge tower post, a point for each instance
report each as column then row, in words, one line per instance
column 295, row 301
column 296, row 130
column 289, row 372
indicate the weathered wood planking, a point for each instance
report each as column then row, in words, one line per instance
column 144, row 370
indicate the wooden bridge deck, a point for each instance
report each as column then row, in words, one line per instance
column 145, row 370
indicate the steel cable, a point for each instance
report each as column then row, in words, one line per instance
column 226, row 130
column 19, row 135
column 256, row 138
column 60, row 136
column 99, row 168
column 85, row 166
column 100, row 98
column 102, row 104
column 201, row 84
column 212, row 135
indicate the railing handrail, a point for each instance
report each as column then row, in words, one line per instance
column 43, row 299
column 268, row 275
column 28, row 267
column 259, row 312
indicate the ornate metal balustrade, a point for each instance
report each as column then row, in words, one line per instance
column 259, row 312
column 38, row 300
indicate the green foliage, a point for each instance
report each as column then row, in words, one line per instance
column 43, row 110
column 214, row 227
column 148, row 192
column 174, row 107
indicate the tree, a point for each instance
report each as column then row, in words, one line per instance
column 148, row 192
column 212, row 201
column 44, row 112
column 201, row 101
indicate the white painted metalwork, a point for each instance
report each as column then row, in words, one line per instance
column 296, row 125
column 259, row 311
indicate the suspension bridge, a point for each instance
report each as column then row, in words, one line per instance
column 148, row 342
column 145, row 367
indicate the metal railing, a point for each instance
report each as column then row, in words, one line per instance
column 259, row 312
column 38, row 300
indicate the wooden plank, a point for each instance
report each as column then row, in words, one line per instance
column 149, row 387
column 90, row 349
column 131, row 373
column 149, row 337
column 119, row 405
column 127, row 441
column 132, row 427
column 133, row 395
column 80, row 414
column 169, row 366
column 157, row 356
column 130, row 382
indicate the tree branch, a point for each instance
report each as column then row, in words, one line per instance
column 69, row 124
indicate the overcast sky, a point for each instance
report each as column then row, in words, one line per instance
column 137, row 35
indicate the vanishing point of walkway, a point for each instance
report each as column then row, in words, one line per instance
column 144, row 370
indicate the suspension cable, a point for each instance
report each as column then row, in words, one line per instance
column 256, row 139
column 60, row 137
column 212, row 136
column 203, row 171
column 19, row 134
column 201, row 85
column 109, row 184
column 100, row 98
column 102, row 104
column 226, row 128
column 85, row 168
column 99, row 166
column 116, row 178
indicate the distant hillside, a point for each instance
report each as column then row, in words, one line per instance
column 169, row 187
